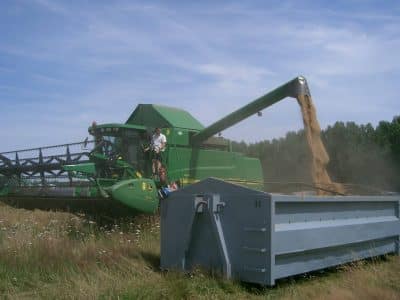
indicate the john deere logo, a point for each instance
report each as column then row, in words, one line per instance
column 146, row 186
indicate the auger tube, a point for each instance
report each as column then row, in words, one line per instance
column 293, row 88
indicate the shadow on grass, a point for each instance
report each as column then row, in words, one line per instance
column 228, row 286
column 317, row 275
column 102, row 209
column 152, row 260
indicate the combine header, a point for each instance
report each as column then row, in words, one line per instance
column 43, row 164
column 113, row 171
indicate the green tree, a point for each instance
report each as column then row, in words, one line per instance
column 359, row 154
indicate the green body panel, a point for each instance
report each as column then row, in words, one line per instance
column 190, row 165
column 152, row 115
column 177, row 136
column 139, row 194
column 86, row 168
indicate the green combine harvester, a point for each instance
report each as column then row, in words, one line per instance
column 112, row 172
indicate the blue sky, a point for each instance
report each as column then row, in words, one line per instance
column 64, row 64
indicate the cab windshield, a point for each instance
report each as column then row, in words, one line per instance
column 125, row 144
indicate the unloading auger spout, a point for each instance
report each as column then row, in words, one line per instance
column 293, row 88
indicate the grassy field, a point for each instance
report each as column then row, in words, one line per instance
column 51, row 255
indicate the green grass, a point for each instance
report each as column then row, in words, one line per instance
column 56, row 255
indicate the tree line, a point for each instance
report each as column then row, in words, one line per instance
column 361, row 156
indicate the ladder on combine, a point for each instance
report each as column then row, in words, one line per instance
column 44, row 165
